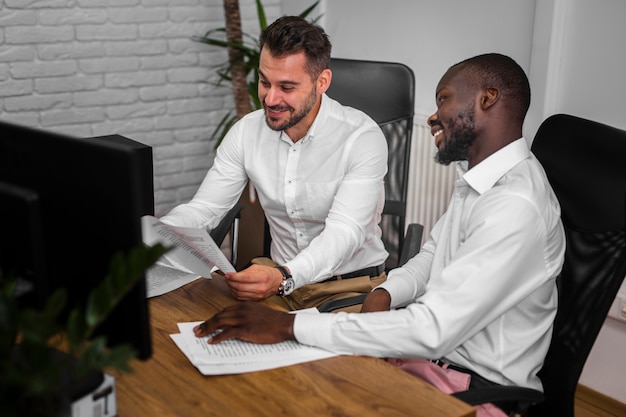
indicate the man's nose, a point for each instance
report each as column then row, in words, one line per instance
column 272, row 97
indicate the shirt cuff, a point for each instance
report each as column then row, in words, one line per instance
column 313, row 329
column 296, row 267
column 402, row 287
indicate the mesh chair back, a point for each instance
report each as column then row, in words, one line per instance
column 386, row 92
column 584, row 162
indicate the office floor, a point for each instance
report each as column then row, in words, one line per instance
column 591, row 404
column 584, row 409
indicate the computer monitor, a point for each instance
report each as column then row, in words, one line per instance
column 76, row 202
column 21, row 243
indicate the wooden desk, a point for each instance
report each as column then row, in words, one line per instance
column 169, row 385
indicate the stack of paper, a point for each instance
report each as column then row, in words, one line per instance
column 235, row 356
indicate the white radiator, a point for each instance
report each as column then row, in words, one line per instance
column 430, row 183
column 618, row 309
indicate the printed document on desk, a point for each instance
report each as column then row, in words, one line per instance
column 194, row 249
column 235, row 356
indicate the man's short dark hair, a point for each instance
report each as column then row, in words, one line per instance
column 501, row 72
column 289, row 35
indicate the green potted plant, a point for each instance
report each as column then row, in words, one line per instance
column 34, row 374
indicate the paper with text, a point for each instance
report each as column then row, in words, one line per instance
column 194, row 249
column 236, row 356
column 161, row 279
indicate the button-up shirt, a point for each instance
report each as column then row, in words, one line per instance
column 482, row 291
column 322, row 195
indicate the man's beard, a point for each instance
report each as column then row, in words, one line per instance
column 296, row 117
column 459, row 138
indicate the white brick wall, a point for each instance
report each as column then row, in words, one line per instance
column 129, row 67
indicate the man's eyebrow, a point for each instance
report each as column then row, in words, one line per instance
column 440, row 90
column 287, row 82
column 282, row 82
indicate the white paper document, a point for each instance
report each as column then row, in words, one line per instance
column 194, row 249
column 161, row 279
column 235, row 356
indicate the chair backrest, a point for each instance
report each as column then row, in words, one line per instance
column 584, row 162
column 386, row 92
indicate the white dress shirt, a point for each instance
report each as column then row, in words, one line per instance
column 482, row 292
column 323, row 195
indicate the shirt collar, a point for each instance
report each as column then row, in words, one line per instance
column 484, row 175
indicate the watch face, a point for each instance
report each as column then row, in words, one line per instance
column 288, row 286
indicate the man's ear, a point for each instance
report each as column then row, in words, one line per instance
column 323, row 81
column 490, row 96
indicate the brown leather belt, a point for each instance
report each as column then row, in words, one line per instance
column 372, row 271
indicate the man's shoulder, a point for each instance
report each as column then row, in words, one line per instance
column 251, row 122
column 347, row 114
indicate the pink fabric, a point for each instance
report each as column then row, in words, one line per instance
column 447, row 380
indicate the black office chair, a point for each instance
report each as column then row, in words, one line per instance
column 584, row 161
column 386, row 92
column 229, row 225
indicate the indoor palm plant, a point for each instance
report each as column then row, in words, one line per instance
column 34, row 376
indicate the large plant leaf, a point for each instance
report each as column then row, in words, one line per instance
column 261, row 13
column 308, row 11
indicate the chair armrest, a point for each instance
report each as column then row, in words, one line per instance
column 221, row 230
column 412, row 242
column 500, row 394
column 333, row 305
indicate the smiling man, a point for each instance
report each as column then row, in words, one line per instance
column 475, row 307
column 318, row 170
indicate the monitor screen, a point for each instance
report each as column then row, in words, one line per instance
column 81, row 201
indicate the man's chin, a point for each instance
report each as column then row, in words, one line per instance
column 274, row 124
column 441, row 157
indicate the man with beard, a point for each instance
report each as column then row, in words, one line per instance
column 317, row 168
column 475, row 307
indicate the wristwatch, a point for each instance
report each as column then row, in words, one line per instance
column 288, row 284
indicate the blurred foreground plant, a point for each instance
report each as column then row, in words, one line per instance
column 34, row 377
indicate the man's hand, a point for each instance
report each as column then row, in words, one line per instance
column 377, row 300
column 251, row 322
column 254, row 283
